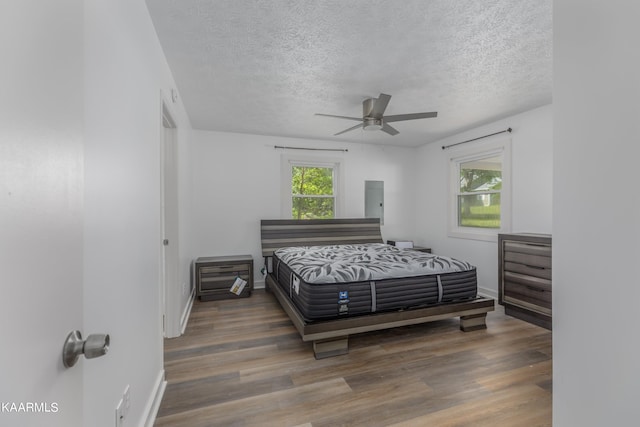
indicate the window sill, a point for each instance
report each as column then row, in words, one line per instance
column 475, row 234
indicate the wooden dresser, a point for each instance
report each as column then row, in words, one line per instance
column 524, row 276
column 214, row 276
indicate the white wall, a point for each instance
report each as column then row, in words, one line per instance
column 236, row 183
column 125, row 71
column 596, row 212
column 532, row 154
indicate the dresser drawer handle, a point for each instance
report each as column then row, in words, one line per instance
column 535, row 289
column 537, row 267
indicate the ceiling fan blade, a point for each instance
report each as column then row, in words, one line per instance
column 359, row 125
column 340, row 117
column 379, row 106
column 389, row 129
column 414, row 116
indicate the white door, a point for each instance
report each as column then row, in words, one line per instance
column 172, row 288
column 41, row 279
column 41, row 191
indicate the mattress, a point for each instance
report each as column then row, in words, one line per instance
column 326, row 282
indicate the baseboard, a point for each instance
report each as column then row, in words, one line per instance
column 258, row 284
column 153, row 404
column 186, row 313
column 486, row 292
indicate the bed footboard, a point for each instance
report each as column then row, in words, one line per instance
column 330, row 337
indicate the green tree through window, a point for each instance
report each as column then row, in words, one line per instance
column 479, row 193
column 312, row 192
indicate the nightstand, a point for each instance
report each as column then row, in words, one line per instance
column 421, row 249
column 214, row 276
column 397, row 242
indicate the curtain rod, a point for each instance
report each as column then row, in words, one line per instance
column 444, row 147
column 344, row 150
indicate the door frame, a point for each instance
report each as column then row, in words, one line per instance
column 170, row 258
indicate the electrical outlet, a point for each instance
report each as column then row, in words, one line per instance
column 120, row 414
column 184, row 288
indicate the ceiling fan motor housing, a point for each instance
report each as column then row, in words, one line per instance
column 367, row 106
column 368, row 122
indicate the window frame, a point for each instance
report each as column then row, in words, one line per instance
column 479, row 151
column 287, row 164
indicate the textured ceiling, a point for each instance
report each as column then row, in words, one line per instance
column 266, row 66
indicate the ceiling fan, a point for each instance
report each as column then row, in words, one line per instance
column 373, row 117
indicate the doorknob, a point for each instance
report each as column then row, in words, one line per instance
column 95, row 345
column 165, row 242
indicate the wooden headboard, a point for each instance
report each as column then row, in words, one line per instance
column 278, row 233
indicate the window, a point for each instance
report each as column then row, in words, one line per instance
column 480, row 183
column 310, row 188
column 312, row 194
column 480, row 202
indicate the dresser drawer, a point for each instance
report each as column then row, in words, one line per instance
column 527, row 259
column 527, row 248
column 510, row 301
column 538, row 261
column 532, row 292
column 529, row 270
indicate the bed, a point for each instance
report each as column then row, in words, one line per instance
column 335, row 278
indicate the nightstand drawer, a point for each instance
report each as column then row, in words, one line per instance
column 220, row 282
column 222, row 270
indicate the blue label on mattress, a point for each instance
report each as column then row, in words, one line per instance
column 343, row 301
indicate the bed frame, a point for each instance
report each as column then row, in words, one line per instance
column 331, row 337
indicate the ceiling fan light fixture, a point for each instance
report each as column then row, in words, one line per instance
column 372, row 124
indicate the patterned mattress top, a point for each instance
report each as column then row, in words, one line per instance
column 371, row 261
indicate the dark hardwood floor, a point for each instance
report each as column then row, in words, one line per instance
column 242, row 363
